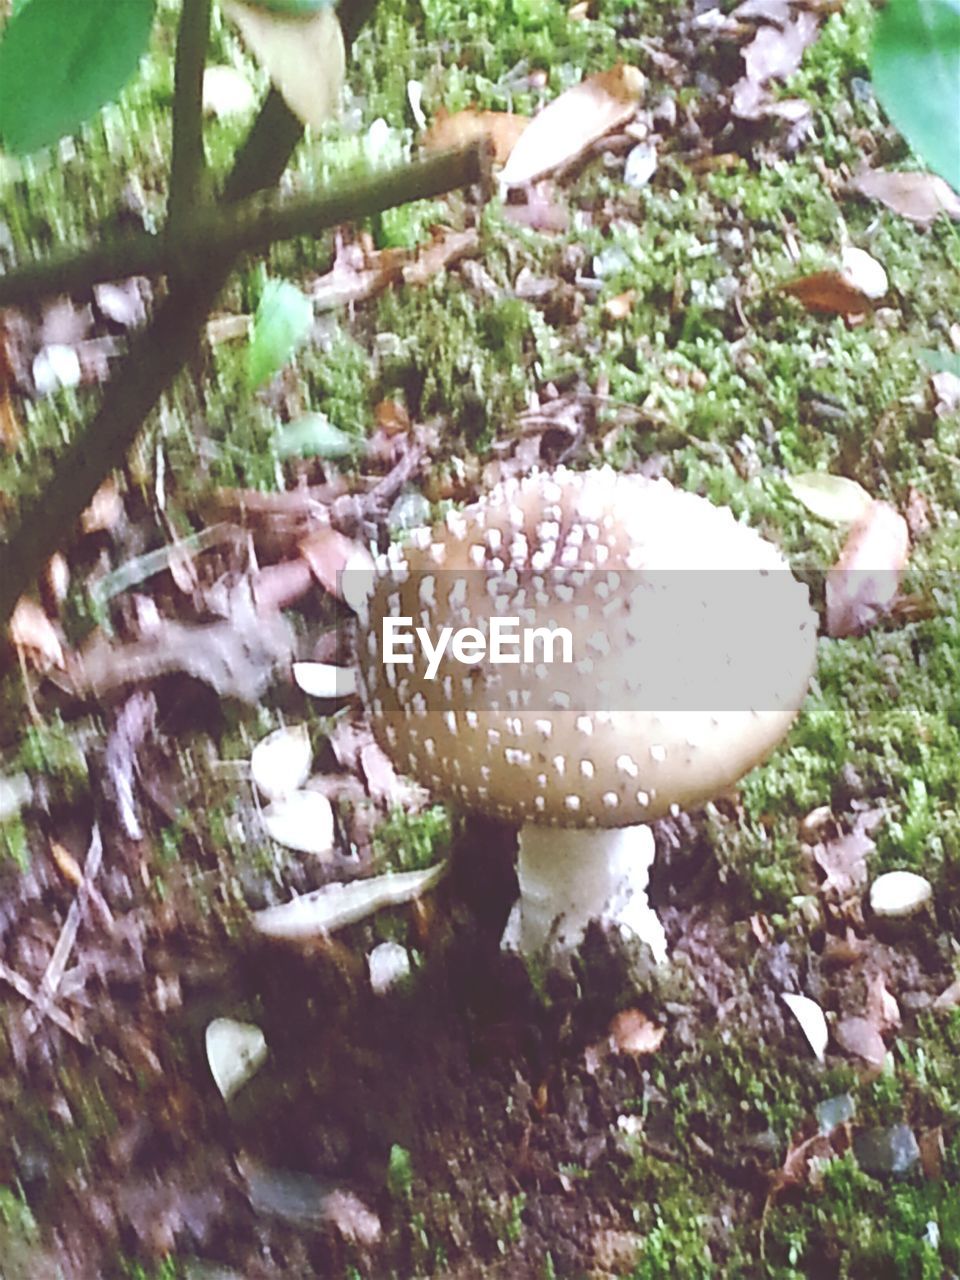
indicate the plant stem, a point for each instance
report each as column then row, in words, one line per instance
column 249, row 225
column 188, row 163
column 152, row 364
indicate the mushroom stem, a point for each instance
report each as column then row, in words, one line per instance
column 569, row 876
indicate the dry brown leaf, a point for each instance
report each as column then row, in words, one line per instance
column 631, row 1031
column 356, row 275
column 946, row 392
column 776, row 52
column 105, row 509
column 35, row 635
column 503, row 128
column 859, row 1038
column 566, row 127
column 829, row 292
column 863, row 585
column 619, row 308
column 948, row 998
column 227, row 328
column 278, row 586
column 66, row 863
column 328, row 554
column 921, row 197
column 10, row 432
column 392, row 417
column 932, row 1153
column 844, row 863
column 917, row 512
column 882, row 1008
column 444, row 249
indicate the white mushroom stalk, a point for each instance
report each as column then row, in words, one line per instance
column 643, row 675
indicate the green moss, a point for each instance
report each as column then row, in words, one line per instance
column 455, row 356
column 410, row 842
column 51, row 749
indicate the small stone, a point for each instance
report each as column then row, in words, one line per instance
column 835, row 1111
column 898, row 894
column 389, row 963
column 641, row 165
column 891, row 1150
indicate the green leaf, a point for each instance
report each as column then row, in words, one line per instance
column 940, row 361
column 314, row 436
column 834, row 499
column 283, row 320
column 916, row 75
column 292, row 8
column 62, row 60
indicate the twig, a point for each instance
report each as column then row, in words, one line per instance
column 219, row 234
column 188, row 162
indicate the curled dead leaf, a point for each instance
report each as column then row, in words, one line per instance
column 502, row 128
column 574, row 121
column 863, row 585
column 32, row 632
column 921, row 197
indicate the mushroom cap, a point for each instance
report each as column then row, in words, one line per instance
column 693, row 646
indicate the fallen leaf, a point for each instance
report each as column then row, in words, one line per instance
column 10, row 433
column 949, row 998
column 632, row 1032
column 280, row 762
column 863, row 585
column 859, row 1038
column 774, row 54
column 932, row 1153
column 33, row 633
column 573, row 122
column 619, row 308
column 301, row 820
column 105, row 509
column 339, row 564
column 278, row 586
column 281, row 324
column 238, row 657
column 834, row 499
column 922, row 197
column 123, row 301
column 917, row 513
column 882, row 1008
column 812, row 1022
column 946, row 389
column 844, row 864
column 314, row 436
column 392, row 418
column 777, row 51
column 829, row 292
column 445, row 248
column 304, row 57
column 66, row 863
column 503, row 129
column 227, row 328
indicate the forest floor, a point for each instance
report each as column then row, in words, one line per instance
column 477, row 1119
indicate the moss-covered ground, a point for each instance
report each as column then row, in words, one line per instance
column 727, row 386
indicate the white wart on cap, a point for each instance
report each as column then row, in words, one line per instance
column 684, row 675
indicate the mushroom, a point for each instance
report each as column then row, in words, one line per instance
column 691, row 646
